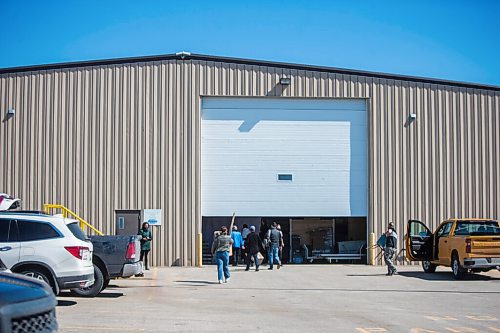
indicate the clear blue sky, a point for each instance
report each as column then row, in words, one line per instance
column 456, row 40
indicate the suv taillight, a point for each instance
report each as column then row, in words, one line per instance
column 80, row 252
column 468, row 246
column 130, row 251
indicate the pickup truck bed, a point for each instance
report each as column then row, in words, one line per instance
column 113, row 257
column 112, row 252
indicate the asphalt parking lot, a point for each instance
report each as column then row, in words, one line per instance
column 313, row 298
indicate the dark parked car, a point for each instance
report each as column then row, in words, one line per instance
column 113, row 257
column 26, row 304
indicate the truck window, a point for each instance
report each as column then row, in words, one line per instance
column 445, row 229
column 477, row 228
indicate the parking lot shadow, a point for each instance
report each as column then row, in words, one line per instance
column 61, row 302
column 199, row 282
column 446, row 276
column 109, row 295
column 366, row 275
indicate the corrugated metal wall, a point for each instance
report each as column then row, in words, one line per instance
column 127, row 136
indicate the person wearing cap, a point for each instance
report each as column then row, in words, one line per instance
column 252, row 246
column 237, row 245
column 390, row 246
column 220, row 249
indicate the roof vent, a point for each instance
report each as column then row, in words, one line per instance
column 183, row 54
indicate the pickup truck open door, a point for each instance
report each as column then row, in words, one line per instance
column 419, row 241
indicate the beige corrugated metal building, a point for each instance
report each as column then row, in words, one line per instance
column 126, row 134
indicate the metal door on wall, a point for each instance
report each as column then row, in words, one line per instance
column 127, row 222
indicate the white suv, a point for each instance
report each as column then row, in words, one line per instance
column 46, row 247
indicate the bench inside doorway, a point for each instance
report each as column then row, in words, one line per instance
column 348, row 250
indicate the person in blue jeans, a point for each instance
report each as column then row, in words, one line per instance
column 274, row 239
column 220, row 249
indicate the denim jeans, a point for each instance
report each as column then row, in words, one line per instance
column 273, row 255
column 222, row 258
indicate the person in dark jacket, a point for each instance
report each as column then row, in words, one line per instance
column 263, row 235
column 390, row 247
column 282, row 245
column 252, row 248
column 274, row 239
column 147, row 237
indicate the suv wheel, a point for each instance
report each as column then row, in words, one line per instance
column 428, row 266
column 39, row 275
column 457, row 269
column 94, row 289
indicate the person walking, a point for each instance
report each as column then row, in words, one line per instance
column 274, row 240
column 252, row 246
column 244, row 234
column 390, row 245
column 147, row 237
column 220, row 249
column 282, row 244
column 237, row 245
column 263, row 235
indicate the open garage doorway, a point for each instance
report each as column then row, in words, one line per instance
column 306, row 239
column 332, row 240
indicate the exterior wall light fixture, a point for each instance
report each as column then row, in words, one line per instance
column 285, row 81
column 9, row 114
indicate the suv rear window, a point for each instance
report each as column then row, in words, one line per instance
column 76, row 231
column 30, row 231
column 477, row 228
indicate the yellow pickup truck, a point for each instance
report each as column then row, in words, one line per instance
column 465, row 245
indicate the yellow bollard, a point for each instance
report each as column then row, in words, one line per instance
column 199, row 250
column 371, row 249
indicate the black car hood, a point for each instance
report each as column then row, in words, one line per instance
column 15, row 288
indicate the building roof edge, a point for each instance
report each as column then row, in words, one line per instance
column 186, row 56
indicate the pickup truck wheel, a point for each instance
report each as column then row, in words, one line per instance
column 428, row 266
column 457, row 269
column 105, row 284
column 94, row 289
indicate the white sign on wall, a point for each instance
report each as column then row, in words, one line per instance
column 152, row 216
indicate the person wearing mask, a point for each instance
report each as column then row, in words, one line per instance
column 390, row 243
column 274, row 240
column 252, row 246
column 237, row 245
column 220, row 249
column 147, row 237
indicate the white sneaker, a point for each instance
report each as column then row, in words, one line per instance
column 227, row 280
column 220, row 281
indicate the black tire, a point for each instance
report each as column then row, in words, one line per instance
column 456, row 268
column 40, row 275
column 94, row 289
column 428, row 266
column 105, row 284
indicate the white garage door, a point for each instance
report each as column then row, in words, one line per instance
column 284, row 157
